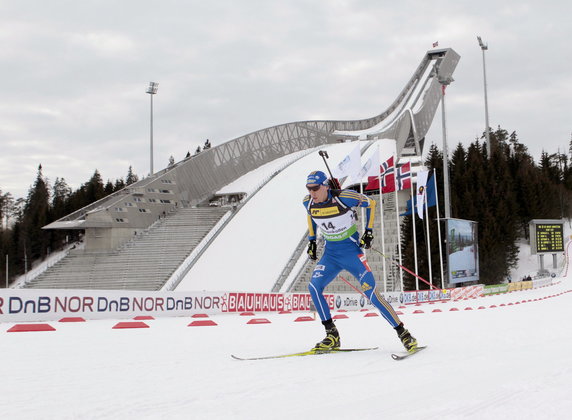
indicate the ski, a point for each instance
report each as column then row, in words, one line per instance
column 402, row 356
column 303, row 353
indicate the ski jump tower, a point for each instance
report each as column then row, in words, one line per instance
column 116, row 219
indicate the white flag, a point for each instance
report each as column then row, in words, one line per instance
column 421, row 187
column 370, row 167
column 349, row 166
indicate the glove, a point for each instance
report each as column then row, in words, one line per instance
column 334, row 184
column 365, row 241
column 312, row 250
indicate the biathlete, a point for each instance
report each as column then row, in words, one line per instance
column 332, row 211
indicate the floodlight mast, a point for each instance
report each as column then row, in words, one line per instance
column 485, row 47
column 447, row 196
column 152, row 90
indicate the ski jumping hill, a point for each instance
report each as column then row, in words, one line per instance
column 114, row 226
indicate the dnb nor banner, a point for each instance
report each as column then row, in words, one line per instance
column 44, row 305
column 462, row 251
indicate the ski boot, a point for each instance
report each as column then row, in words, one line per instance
column 408, row 341
column 332, row 340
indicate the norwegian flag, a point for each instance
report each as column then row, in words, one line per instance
column 387, row 167
column 387, row 174
column 403, row 179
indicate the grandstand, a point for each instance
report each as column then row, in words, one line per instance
column 136, row 238
column 143, row 263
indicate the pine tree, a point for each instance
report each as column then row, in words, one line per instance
column 2, row 200
column 460, row 197
column 499, row 230
column 6, row 204
column 131, row 177
column 61, row 193
column 94, row 188
column 119, row 184
column 109, row 188
column 35, row 241
column 549, row 167
column 59, row 208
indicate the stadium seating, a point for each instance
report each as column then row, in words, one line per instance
column 143, row 263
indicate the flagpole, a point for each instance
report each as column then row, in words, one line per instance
column 439, row 229
column 428, row 238
column 382, row 232
column 398, row 224
column 413, row 211
column 381, row 219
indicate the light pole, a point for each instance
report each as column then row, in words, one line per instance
column 444, row 83
column 485, row 47
column 152, row 90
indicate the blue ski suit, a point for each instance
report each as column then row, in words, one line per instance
column 337, row 221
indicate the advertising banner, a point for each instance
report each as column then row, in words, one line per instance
column 423, row 296
column 468, row 292
column 495, row 289
column 38, row 305
column 44, row 305
column 462, row 251
column 350, row 302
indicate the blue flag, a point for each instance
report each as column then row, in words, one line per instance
column 431, row 197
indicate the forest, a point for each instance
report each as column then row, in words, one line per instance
column 502, row 194
column 22, row 240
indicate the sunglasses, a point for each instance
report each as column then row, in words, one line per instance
column 314, row 188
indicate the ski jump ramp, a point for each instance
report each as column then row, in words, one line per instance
column 114, row 220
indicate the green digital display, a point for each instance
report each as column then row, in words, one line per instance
column 549, row 237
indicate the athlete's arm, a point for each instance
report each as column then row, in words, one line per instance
column 311, row 224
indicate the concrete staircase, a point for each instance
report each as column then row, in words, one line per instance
column 144, row 263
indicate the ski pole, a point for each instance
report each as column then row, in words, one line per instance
column 325, row 156
column 353, row 287
column 335, row 182
column 404, row 268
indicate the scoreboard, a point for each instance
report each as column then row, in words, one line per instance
column 548, row 237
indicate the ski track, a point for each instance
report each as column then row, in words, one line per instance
column 495, row 363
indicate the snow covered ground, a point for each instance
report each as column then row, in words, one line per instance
column 499, row 362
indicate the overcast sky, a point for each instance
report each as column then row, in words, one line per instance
column 74, row 74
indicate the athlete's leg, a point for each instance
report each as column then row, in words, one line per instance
column 324, row 272
column 358, row 266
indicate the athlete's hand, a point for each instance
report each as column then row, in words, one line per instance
column 312, row 250
column 334, row 184
column 365, row 241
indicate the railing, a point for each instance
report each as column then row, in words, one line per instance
column 42, row 267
